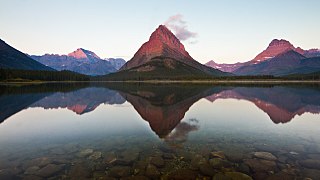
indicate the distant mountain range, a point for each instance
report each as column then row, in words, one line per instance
column 163, row 56
column 11, row 58
column 280, row 58
column 81, row 61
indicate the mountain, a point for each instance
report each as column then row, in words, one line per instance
column 312, row 53
column 275, row 50
column 279, row 65
column 11, row 58
column 224, row 67
column 116, row 62
column 166, row 51
column 82, row 54
column 80, row 61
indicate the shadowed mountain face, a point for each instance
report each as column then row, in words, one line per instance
column 11, row 58
column 281, row 104
column 279, row 65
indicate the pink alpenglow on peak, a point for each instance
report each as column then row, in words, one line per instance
column 164, row 47
column 275, row 48
column 162, row 42
column 81, row 53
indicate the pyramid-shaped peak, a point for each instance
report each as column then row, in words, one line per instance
column 81, row 53
column 162, row 30
column 163, row 34
column 162, row 43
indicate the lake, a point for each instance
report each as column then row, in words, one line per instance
column 159, row 131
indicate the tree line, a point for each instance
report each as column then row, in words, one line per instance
column 39, row 75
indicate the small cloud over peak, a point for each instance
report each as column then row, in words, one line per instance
column 179, row 27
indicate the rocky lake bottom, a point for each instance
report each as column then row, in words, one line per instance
column 136, row 157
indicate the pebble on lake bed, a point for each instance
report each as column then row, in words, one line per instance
column 85, row 152
column 265, row 155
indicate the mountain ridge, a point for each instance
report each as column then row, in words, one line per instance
column 81, row 61
column 276, row 47
column 11, row 58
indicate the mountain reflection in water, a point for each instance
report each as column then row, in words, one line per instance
column 163, row 107
column 159, row 131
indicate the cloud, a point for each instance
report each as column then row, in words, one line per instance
column 179, row 27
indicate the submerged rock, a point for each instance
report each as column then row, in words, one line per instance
column 168, row 156
column 244, row 168
column 221, row 176
column 96, row 155
column 126, row 158
column 139, row 168
column 157, row 161
column 311, row 173
column 110, row 157
column 49, row 170
column 31, row 177
column 235, row 157
column 135, row 178
column 196, row 161
column 258, row 165
column 119, row 171
column 218, row 154
column 238, row 176
column 310, row 163
column 79, row 170
column 40, row 162
column 32, row 170
column 152, row 171
column 281, row 176
column 85, row 152
column 8, row 175
column 182, row 174
column 207, row 170
column 265, row 155
column 218, row 163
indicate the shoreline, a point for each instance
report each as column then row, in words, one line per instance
column 176, row 82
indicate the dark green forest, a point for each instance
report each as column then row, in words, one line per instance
column 10, row 75
column 35, row 75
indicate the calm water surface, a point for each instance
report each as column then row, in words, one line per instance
column 135, row 131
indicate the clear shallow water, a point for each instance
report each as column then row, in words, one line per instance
column 95, row 131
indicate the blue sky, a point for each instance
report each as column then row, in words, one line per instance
column 227, row 31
